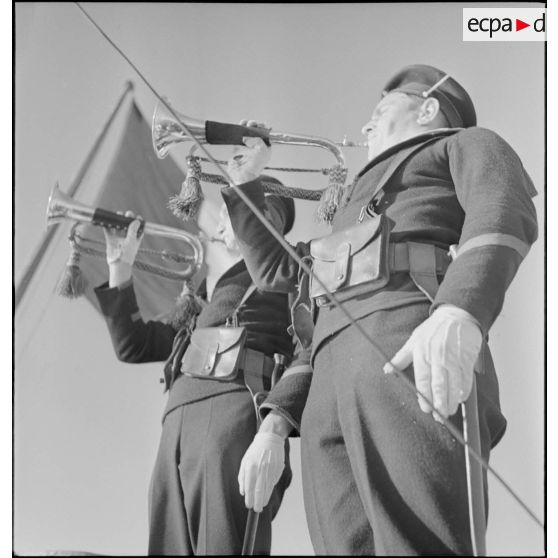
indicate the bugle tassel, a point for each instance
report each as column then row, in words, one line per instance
column 187, row 203
column 73, row 283
column 188, row 306
column 332, row 195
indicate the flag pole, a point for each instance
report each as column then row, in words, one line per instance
column 48, row 237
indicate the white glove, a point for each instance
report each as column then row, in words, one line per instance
column 443, row 350
column 123, row 248
column 261, row 468
column 247, row 163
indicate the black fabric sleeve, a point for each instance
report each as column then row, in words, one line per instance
column 500, row 223
column 271, row 267
column 133, row 339
column 288, row 397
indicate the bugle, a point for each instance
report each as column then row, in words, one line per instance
column 62, row 207
column 166, row 132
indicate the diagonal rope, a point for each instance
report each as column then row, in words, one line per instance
column 330, row 296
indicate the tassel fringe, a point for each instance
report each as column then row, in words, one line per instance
column 188, row 306
column 332, row 195
column 72, row 284
column 186, row 205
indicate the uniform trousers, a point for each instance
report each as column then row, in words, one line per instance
column 380, row 477
column 195, row 507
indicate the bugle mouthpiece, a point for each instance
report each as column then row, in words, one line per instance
column 208, row 238
column 349, row 143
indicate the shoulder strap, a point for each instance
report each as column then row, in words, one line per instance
column 398, row 160
column 234, row 316
column 249, row 292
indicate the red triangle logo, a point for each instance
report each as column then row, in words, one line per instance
column 519, row 25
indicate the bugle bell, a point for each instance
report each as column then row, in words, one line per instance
column 62, row 207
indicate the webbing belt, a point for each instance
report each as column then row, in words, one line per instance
column 257, row 369
column 424, row 262
column 405, row 256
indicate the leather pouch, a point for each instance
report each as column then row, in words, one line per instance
column 214, row 353
column 351, row 262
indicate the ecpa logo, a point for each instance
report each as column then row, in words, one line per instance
column 504, row 24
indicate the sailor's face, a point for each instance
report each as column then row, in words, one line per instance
column 393, row 120
column 225, row 231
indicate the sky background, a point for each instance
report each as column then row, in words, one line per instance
column 86, row 427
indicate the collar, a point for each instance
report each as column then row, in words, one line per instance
column 415, row 140
column 236, row 269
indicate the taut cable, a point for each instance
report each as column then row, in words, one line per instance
column 330, row 296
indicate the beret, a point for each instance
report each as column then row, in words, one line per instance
column 427, row 81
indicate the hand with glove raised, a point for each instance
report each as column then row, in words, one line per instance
column 443, row 351
column 122, row 248
column 249, row 161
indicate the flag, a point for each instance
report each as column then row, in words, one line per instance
column 138, row 181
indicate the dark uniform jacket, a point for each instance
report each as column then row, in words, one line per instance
column 288, row 396
column 264, row 315
column 465, row 187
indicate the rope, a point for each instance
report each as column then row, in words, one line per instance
column 270, row 188
column 273, row 187
column 323, row 171
column 336, row 174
